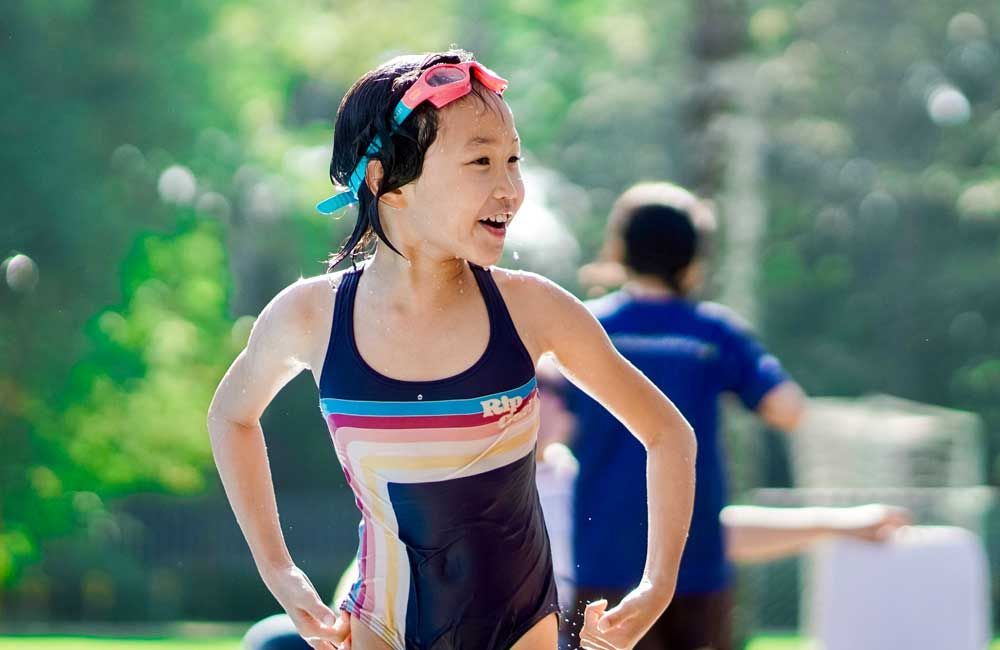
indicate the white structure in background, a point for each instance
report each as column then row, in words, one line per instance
column 881, row 441
column 537, row 238
column 927, row 589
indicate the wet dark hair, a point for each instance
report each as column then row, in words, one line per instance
column 659, row 229
column 366, row 111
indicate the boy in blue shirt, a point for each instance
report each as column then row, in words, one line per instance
column 694, row 352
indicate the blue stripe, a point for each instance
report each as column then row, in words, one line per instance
column 402, row 409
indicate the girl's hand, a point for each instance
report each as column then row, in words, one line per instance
column 622, row 627
column 321, row 628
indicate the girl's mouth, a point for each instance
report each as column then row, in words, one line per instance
column 496, row 225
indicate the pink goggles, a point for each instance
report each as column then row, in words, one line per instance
column 443, row 83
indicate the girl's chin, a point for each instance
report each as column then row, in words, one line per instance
column 486, row 259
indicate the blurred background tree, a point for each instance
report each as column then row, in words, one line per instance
column 161, row 161
column 87, row 88
column 883, row 247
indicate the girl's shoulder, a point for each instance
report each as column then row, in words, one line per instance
column 303, row 307
column 539, row 307
column 295, row 324
column 523, row 285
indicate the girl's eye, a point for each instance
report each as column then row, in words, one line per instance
column 485, row 160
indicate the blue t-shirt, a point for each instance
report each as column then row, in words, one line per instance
column 693, row 352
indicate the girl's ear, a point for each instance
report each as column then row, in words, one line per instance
column 373, row 177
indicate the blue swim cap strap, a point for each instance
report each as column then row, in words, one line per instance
column 334, row 203
column 400, row 114
column 349, row 196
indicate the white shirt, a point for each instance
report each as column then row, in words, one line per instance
column 555, row 477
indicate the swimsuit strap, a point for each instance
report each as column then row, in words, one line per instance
column 343, row 302
column 505, row 334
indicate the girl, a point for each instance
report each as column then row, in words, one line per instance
column 424, row 357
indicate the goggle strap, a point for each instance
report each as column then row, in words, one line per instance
column 401, row 113
column 349, row 196
column 334, row 203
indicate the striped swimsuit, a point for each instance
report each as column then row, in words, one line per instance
column 453, row 551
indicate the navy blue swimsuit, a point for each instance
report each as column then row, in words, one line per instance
column 453, row 551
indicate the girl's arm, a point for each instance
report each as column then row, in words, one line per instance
column 563, row 326
column 275, row 353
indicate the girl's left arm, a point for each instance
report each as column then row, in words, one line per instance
column 563, row 326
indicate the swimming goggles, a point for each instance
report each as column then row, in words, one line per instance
column 440, row 85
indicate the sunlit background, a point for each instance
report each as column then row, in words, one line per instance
column 159, row 166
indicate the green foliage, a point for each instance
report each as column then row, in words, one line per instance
column 136, row 420
column 87, row 88
column 144, row 429
column 884, row 244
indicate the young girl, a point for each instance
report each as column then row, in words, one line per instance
column 424, row 357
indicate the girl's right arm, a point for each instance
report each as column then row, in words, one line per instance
column 278, row 349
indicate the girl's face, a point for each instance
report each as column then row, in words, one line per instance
column 470, row 174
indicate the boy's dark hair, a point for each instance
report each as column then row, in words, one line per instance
column 366, row 111
column 658, row 229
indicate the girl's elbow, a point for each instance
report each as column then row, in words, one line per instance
column 216, row 422
column 677, row 439
column 686, row 436
column 221, row 424
column 690, row 441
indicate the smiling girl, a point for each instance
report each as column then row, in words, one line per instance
column 424, row 356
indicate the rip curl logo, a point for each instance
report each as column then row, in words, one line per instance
column 501, row 405
column 504, row 406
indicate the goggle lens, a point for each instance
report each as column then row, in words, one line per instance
column 445, row 76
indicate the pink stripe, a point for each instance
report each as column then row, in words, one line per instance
column 363, row 567
column 347, row 435
column 409, row 421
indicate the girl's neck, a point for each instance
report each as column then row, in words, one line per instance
column 418, row 282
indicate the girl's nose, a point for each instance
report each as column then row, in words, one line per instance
column 506, row 189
